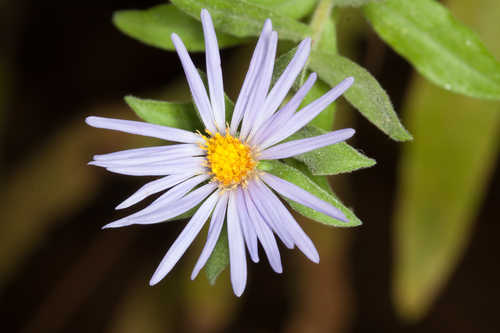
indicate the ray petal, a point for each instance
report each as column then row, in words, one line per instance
column 301, row 196
column 184, row 239
column 214, row 71
column 216, row 223
column 296, row 147
column 146, row 129
column 198, row 90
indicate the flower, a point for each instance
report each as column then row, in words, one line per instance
column 218, row 171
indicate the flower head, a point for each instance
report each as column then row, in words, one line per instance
column 219, row 170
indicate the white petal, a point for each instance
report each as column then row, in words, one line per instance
column 146, row 129
column 165, row 156
column 251, row 76
column 216, row 223
column 264, row 234
column 301, row 196
column 296, row 147
column 196, row 85
column 247, row 226
column 284, row 83
column 269, row 215
column 308, row 113
column 193, row 164
column 176, row 192
column 237, row 258
column 284, row 114
column 185, row 239
column 154, row 187
column 214, row 71
column 170, row 210
column 287, row 221
column 261, row 87
column 138, row 152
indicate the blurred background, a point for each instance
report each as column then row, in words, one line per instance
column 59, row 272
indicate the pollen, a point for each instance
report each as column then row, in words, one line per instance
column 230, row 161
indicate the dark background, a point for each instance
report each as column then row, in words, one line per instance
column 65, row 60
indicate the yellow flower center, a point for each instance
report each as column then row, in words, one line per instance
column 230, row 161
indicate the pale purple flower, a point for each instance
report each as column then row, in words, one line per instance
column 219, row 171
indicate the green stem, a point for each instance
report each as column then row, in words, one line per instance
column 320, row 17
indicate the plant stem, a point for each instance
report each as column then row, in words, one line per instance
column 320, row 16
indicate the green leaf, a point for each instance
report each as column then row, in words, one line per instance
column 333, row 159
column 442, row 49
column 292, row 8
column 322, row 181
column 178, row 115
column 365, row 94
column 300, row 179
column 354, row 3
column 444, row 176
column 243, row 19
column 155, row 25
column 219, row 259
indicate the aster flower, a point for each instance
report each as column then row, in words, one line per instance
column 219, row 170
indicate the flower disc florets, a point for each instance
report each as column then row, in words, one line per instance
column 230, row 161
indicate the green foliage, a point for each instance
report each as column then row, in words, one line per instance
column 292, row 8
column 302, row 180
column 444, row 175
column 219, row 259
column 243, row 19
column 441, row 48
column 155, row 25
column 178, row 115
column 333, row 159
column 322, row 181
column 353, row 3
column 365, row 94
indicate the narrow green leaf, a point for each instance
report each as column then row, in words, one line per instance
column 155, row 25
column 333, row 159
column 322, row 181
column 354, row 3
column 219, row 259
column 243, row 19
column 300, row 179
column 365, row 94
column 444, row 176
column 178, row 115
column 292, row 8
column 442, row 49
